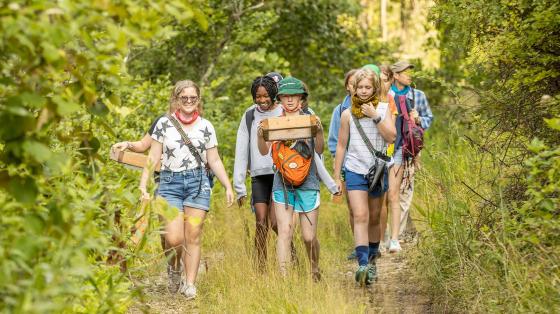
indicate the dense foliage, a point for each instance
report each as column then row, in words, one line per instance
column 61, row 80
column 492, row 242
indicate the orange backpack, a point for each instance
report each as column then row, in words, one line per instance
column 293, row 167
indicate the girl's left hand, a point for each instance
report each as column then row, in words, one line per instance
column 369, row 110
column 229, row 196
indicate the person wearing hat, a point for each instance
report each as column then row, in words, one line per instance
column 303, row 199
column 418, row 109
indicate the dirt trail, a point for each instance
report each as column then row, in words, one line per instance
column 397, row 290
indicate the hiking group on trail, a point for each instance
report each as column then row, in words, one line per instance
column 375, row 146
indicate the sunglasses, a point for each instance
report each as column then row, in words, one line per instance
column 188, row 98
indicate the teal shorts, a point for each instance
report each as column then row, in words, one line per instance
column 303, row 201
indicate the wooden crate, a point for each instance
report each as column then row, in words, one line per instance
column 289, row 128
column 134, row 160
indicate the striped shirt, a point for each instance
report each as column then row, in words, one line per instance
column 358, row 158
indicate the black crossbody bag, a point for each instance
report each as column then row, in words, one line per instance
column 378, row 170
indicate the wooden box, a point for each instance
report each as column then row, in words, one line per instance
column 135, row 160
column 289, row 128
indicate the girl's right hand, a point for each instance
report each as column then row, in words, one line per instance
column 338, row 182
column 121, row 146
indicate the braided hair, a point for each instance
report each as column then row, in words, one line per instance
column 268, row 83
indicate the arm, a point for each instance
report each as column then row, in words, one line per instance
column 153, row 157
column 215, row 163
column 333, row 130
column 386, row 127
column 264, row 146
column 242, row 151
column 137, row 147
column 319, row 138
column 424, row 111
column 325, row 176
column 343, row 135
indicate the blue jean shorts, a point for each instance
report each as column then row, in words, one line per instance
column 302, row 201
column 356, row 181
column 190, row 188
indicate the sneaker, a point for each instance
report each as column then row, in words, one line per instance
column 371, row 273
column 316, row 275
column 383, row 247
column 361, row 275
column 394, row 246
column 174, row 277
column 188, row 290
column 352, row 255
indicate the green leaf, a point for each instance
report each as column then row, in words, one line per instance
column 24, row 190
column 50, row 53
column 553, row 123
column 33, row 100
column 38, row 151
column 64, row 107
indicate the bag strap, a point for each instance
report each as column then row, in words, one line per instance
column 186, row 139
column 249, row 117
column 370, row 147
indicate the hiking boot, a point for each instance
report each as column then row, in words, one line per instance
column 174, row 277
column 361, row 275
column 188, row 290
column 352, row 255
column 371, row 273
column 394, row 246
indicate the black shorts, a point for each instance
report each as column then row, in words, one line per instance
column 261, row 187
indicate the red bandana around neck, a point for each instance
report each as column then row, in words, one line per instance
column 185, row 120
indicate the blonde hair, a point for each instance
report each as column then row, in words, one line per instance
column 175, row 101
column 367, row 74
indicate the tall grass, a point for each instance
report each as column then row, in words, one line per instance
column 232, row 284
column 474, row 252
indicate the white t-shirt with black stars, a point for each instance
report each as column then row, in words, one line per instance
column 176, row 154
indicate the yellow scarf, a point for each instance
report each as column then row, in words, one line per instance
column 357, row 103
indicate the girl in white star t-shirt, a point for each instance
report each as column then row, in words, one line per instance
column 184, row 182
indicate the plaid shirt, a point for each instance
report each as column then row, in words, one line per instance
column 421, row 105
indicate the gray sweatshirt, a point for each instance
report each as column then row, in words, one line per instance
column 245, row 145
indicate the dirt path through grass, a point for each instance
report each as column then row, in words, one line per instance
column 397, row 290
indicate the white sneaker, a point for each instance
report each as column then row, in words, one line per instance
column 188, row 290
column 394, row 246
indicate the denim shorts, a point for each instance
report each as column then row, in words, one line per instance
column 302, row 201
column 356, row 181
column 190, row 188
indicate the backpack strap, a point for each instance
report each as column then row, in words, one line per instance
column 413, row 97
column 249, row 118
column 370, row 147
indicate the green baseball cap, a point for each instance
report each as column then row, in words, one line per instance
column 373, row 68
column 290, row 86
